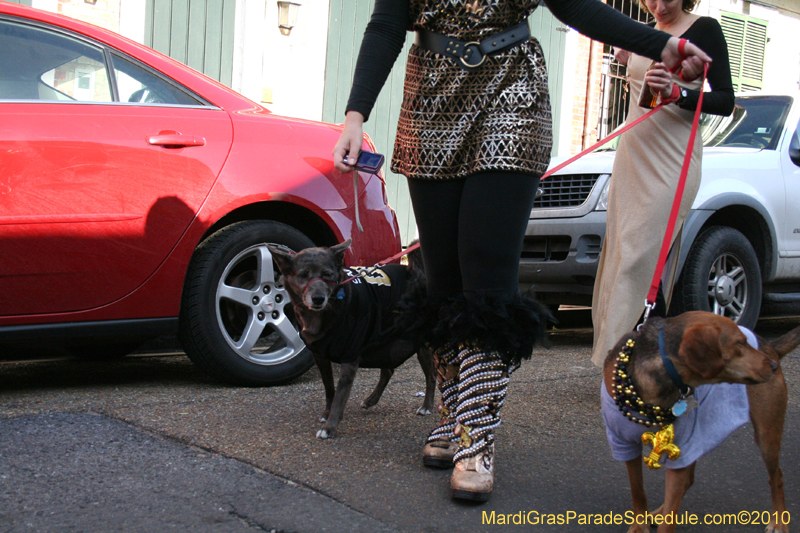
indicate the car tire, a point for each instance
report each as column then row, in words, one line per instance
column 721, row 275
column 236, row 320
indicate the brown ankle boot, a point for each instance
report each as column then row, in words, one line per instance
column 439, row 453
column 473, row 477
column 439, row 448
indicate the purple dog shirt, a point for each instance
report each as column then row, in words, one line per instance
column 722, row 408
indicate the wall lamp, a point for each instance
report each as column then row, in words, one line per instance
column 287, row 16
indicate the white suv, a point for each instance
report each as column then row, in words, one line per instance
column 742, row 237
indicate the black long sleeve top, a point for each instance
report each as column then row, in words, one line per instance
column 385, row 36
column 707, row 34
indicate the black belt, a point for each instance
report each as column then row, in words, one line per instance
column 472, row 54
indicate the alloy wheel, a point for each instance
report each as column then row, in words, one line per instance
column 254, row 311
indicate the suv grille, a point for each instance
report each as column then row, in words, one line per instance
column 565, row 190
column 545, row 249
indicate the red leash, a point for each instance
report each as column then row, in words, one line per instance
column 676, row 203
column 601, row 142
column 397, row 256
column 614, row 135
column 650, row 302
column 384, row 262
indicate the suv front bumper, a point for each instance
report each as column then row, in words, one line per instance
column 560, row 257
column 562, row 244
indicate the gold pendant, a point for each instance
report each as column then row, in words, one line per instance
column 662, row 443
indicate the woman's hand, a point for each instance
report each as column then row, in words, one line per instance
column 689, row 61
column 349, row 142
column 621, row 56
column 660, row 80
column 691, row 69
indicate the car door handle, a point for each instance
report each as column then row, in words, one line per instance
column 175, row 140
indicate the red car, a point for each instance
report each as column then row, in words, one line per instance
column 137, row 197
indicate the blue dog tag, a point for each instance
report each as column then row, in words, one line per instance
column 340, row 294
column 679, row 408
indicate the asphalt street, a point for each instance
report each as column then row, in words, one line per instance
column 148, row 443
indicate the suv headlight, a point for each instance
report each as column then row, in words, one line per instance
column 602, row 203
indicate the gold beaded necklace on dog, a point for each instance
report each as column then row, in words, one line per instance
column 628, row 400
column 630, row 404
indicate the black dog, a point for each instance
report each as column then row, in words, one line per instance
column 347, row 317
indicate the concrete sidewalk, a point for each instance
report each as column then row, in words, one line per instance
column 149, row 444
column 88, row 472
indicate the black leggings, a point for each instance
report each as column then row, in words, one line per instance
column 471, row 231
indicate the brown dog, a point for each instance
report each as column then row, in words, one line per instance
column 347, row 317
column 704, row 348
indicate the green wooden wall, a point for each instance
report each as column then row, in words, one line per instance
column 198, row 33
column 348, row 19
column 747, row 44
column 21, row 2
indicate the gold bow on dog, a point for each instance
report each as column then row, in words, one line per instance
column 662, row 443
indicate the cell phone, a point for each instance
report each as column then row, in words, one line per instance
column 369, row 162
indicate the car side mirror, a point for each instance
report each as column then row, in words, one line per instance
column 794, row 148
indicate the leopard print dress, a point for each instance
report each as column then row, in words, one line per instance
column 455, row 122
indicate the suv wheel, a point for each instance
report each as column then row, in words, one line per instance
column 236, row 320
column 722, row 276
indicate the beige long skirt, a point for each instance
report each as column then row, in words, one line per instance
column 646, row 171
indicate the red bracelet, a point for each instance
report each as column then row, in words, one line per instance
column 676, row 94
column 682, row 53
column 682, row 48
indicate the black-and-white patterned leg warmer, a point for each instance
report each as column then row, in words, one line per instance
column 482, row 386
column 446, row 365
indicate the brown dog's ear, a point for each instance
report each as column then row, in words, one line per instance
column 338, row 251
column 701, row 351
column 283, row 259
